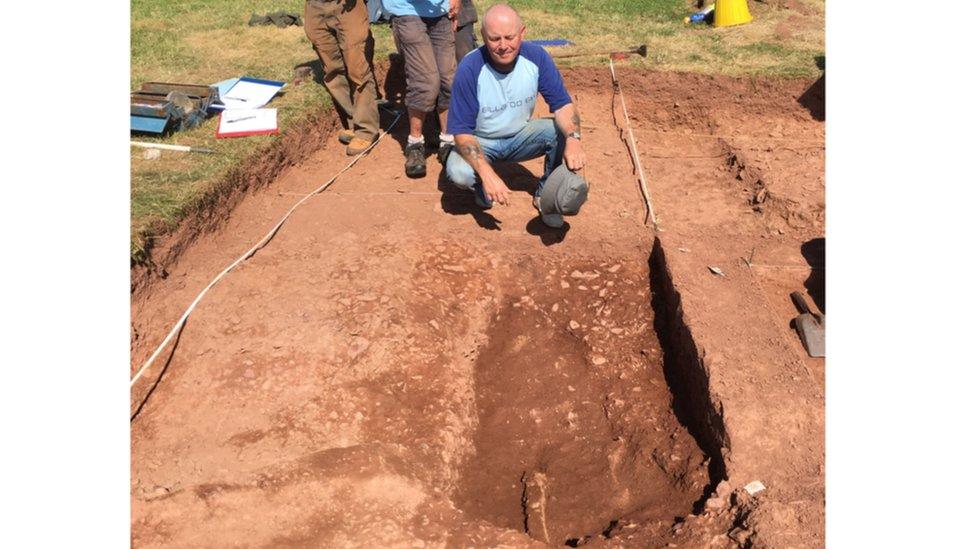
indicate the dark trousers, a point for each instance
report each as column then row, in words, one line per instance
column 464, row 41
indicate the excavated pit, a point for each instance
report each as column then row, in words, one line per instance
column 575, row 422
column 589, row 413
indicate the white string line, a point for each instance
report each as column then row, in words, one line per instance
column 251, row 252
column 387, row 193
column 673, row 133
column 633, row 146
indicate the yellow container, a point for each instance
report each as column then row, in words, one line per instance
column 731, row 12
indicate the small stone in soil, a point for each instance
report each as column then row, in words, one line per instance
column 754, row 487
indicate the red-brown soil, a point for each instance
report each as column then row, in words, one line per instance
column 397, row 367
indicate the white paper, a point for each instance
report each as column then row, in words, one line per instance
column 248, row 94
column 224, row 86
column 247, row 120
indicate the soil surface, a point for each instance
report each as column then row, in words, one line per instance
column 398, row 367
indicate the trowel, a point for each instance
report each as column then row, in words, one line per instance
column 810, row 326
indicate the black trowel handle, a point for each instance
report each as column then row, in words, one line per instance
column 800, row 303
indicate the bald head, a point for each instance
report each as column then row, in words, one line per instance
column 501, row 16
column 502, row 31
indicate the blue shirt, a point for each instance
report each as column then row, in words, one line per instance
column 421, row 8
column 487, row 103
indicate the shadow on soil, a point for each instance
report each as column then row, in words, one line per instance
column 548, row 235
column 152, row 388
column 457, row 201
column 685, row 373
column 815, row 253
column 813, row 99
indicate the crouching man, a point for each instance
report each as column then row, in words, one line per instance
column 492, row 99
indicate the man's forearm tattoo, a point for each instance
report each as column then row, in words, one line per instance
column 472, row 153
column 576, row 120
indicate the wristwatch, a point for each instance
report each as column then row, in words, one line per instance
column 576, row 135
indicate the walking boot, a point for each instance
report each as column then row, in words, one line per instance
column 443, row 151
column 358, row 145
column 416, row 164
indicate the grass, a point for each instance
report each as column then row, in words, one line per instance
column 202, row 43
column 197, row 41
column 778, row 42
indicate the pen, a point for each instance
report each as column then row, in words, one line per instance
column 241, row 119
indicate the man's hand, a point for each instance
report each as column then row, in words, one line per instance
column 495, row 189
column 574, row 156
column 568, row 122
column 470, row 150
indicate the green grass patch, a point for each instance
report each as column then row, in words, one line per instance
column 205, row 41
column 663, row 10
column 764, row 48
column 202, row 43
column 778, row 42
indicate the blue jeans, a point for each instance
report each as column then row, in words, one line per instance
column 539, row 137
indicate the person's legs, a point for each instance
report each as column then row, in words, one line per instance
column 441, row 33
column 446, row 144
column 442, row 42
column 420, row 66
column 352, row 29
column 462, row 175
column 539, row 137
column 416, row 122
column 370, row 51
column 464, row 41
column 318, row 16
column 460, row 172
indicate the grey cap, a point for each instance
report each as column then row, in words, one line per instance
column 564, row 192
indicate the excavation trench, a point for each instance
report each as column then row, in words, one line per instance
column 458, row 379
column 574, row 402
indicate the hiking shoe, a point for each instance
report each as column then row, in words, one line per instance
column 480, row 198
column 416, row 164
column 357, row 146
column 554, row 221
column 345, row 136
column 443, row 152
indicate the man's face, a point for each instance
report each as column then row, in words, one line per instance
column 503, row 39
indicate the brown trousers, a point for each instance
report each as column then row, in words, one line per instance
column 339, row 31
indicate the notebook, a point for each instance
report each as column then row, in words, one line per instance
column 249, row 93
column 242, row 122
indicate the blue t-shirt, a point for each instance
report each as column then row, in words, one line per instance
column 491, row 104
column 421, row 8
